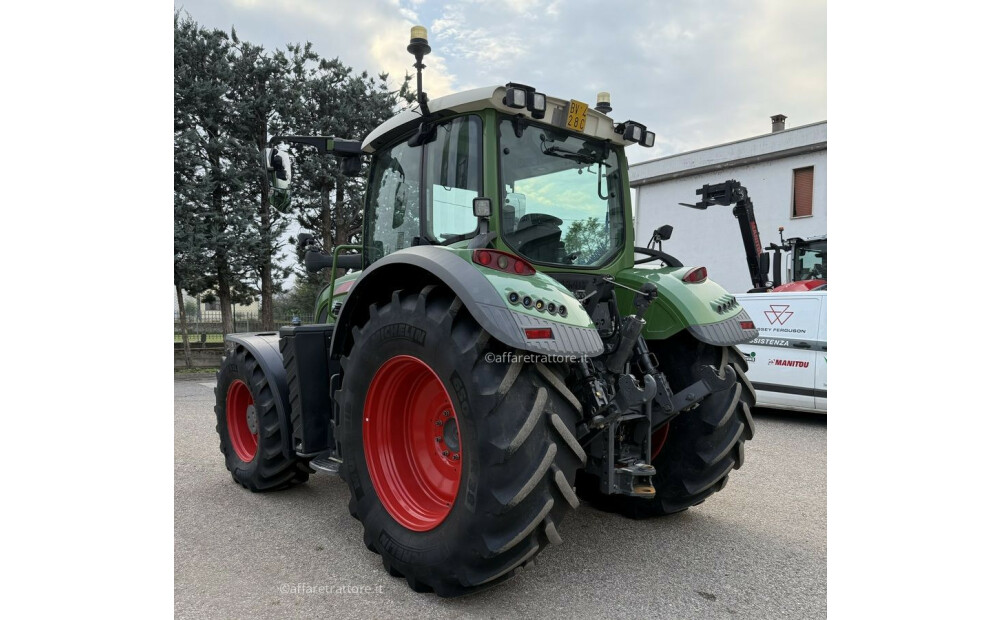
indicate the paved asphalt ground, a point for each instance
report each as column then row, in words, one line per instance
column 756, row 550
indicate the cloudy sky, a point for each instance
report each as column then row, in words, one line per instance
column 696, row 73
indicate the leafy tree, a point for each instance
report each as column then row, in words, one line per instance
column 205, row 190
column 586, row 238
column 334, row 102
column 263, row 94
column 230, row 97
column 190, row 266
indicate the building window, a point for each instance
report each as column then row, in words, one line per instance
column 802, row 194
column 213, row 306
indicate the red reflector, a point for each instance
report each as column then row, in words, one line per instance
column 539, row 333
column 502, row 261
column 746, row 324
column 342, row 288
column 696, row 275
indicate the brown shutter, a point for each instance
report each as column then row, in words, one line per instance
column 803, row 202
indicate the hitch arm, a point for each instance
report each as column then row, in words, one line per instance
column 708, row 382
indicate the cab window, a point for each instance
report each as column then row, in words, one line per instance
column 453, row 178
column 392, row 216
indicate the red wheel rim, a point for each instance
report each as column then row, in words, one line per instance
column 412, row 443
column 659, row 438
column 240, row 413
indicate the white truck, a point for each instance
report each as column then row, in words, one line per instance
column 787, row 362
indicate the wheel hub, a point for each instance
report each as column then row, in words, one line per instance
column 412, row 443
column 252, row 419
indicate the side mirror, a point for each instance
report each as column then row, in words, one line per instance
column 279, row 167
column 351, row 166
column 764, row 260
column 663, row 232
column 279, row 171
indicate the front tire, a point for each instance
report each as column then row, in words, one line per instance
column 248, row 427
column 421, row 359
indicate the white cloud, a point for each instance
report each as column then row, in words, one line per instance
column 696, row 73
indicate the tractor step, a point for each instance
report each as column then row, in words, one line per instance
column 326, row 464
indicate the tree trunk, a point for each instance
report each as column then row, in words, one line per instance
column 266, row 278
column 221, row 259
column 184, row 327
column 225, row 296
column 327, row 228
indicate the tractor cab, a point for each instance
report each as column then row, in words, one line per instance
column 547, row 178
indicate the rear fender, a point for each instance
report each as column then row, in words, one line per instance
column 484, row 292
column 705, row 309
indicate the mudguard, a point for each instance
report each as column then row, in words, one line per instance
column 265, row 349
column 485, row 292
column 705, row 309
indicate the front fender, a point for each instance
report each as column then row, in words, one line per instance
column 485, row 292
column 264, row 347
column 705, row 309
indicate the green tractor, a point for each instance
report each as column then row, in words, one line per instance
column 493, row 355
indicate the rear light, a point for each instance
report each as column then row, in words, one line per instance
column 539, row 333
column 502, row 261
column 343, row 287
column 696, row 275
column 746, row 325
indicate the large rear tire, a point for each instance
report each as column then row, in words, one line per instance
column 248, row 427
column 696, row 452
column 423, row 381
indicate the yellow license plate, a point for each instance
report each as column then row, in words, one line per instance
column 576, row 117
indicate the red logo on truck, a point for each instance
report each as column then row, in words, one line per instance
column 778, row 314
column 792, row 363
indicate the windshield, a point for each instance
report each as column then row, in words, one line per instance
column 561, row 198
column 810, row 261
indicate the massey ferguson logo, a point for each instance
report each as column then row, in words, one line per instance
column 778, row 314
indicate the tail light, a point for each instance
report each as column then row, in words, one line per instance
column 746, row 325
column 343, row 287
column 502, row 261
column 539, row 333
column 696, row 275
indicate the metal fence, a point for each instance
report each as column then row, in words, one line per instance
column 208, row 330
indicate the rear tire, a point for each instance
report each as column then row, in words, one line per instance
column 251, row 441
column 518, row 452
column 702, row 446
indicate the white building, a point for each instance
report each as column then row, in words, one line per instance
column 784, row 172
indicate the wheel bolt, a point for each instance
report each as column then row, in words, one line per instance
column 438, row 423
column 454, row 457
column 446, row 414
column 437, row 439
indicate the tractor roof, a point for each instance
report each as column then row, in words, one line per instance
column 598, row 125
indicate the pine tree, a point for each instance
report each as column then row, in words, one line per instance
column 334, row 102
column 262, row 95
column 202, row 132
